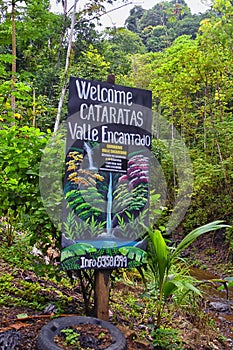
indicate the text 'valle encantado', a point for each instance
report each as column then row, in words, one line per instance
column 108, row 106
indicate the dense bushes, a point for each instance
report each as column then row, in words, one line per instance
column 20, row 201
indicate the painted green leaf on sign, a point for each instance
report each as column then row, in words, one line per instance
column 77, row 249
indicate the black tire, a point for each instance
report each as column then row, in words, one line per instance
column 45, row 340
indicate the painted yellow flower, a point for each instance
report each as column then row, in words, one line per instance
column 71, row 162
column 72, row 175
column 99, row 177
column 71, row 167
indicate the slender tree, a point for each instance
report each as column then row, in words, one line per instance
column 64, row 87
column 64, row 27
column 13, row 77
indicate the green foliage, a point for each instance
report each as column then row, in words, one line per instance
column 71, row 337
column 37, row 111
column 19, row 248
column 120, row 44
column 195, row 97
column 7, row 225
column 20, row 157
column 15, row 292
column 22, row 92
column 19, row 179
column 226, row 283
column 132, row 22
column 37, row 37
column 159, row 26
column 125, row 41
column 4, row 59
column 92, row 65
column 229, row 239
column 162, row 258
column 43, row 282
column 166, row 338
column 142, row 69
column 25, row 294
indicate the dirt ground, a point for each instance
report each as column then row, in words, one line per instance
column 22, row 331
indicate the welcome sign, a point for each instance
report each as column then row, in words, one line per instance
column 107, row 173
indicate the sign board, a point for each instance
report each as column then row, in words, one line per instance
column 107, row 173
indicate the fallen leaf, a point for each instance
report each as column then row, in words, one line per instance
column 22, row 315
column 15, row 326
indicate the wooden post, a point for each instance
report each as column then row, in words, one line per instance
column 102, row 290
column 102, row 277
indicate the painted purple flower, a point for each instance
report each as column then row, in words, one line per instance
column 123, row 179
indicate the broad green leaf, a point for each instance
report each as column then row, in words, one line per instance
column 192, row 288
column 161, row 252
column 193, row 235
column 169, row 288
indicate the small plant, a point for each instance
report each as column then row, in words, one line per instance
column 8, row 227
column 161, row 260
column 71, row 337
column 101, row 335
column 167, row 339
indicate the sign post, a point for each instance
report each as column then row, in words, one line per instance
column 106, row 183
column 102, row 291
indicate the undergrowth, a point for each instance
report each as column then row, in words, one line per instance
column 27, row 281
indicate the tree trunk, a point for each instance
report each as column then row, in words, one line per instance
column 65, row 82
column 13, row 69
column 64, row 5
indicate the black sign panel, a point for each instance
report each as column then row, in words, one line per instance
column 107, row 176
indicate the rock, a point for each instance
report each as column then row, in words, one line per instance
column 50, row 309
column 220, row 307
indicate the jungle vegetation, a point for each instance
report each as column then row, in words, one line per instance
column 184, row 59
